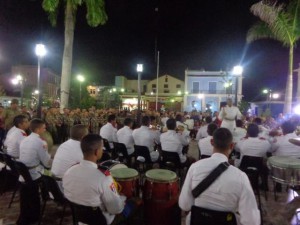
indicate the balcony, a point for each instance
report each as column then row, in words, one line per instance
column 229, row 91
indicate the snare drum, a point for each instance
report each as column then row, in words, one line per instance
column 161, row 191
column 128, row 180
column 285, row 170
column 113, row 164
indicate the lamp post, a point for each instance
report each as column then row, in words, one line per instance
column 237, row 71
column 40, row 51
column 80, row 78
column 139, row 70
column 19, row 80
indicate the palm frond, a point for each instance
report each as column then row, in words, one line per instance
column 51, row 7
column 267, row 13
column 96, row 14
column 260, row 30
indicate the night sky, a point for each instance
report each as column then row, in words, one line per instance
column 192, row 34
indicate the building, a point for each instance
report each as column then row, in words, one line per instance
column 209, row 89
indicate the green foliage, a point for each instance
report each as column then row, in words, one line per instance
column 108, row 99
column 244, row 107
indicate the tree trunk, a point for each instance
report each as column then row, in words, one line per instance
column 67, row 56
column 289, row 84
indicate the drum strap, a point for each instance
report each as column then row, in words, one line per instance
column 204, row 184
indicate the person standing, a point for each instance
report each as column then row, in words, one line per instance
column 229, row 114
column 9, row 114
column 231, row 191
column 34, row 154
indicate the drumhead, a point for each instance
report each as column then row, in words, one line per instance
column 123, row 173
column 161, row 175
column 113, row 164
column 284, row 162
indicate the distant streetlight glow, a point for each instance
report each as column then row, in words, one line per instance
column 18, row 80
column 139, row 68
column 114, row 89
column 122, row 89
column 265, row 91
column 186, row 92
column 81, row 79
column 275, row 96
column 200, row 96
column 237, row 70
column 40, row 50
column 179, row 92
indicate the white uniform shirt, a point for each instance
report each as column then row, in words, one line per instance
column 202, row 132
column 228, row 116
column 109, row 132
column 68, row 154
column 238, row 133
column 164, row 120
column 252, row 146
column 231, row 191
column 11, row 130
column 205, row 146
column 13, row 141
column 124, row 135
column 282, row 147
column 144, row 136
column 85, row 185
column 33, row 153
column 173, row 142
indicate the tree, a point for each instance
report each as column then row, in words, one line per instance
column 95, row 16
column 109, row 98
column 281, row 23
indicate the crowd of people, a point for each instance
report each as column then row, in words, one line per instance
column 79, row 135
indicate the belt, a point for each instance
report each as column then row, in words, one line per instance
column 32, row 167
column 229, row 119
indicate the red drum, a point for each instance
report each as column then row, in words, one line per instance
column 113, row 164
column 127, row 178
column 161, row 192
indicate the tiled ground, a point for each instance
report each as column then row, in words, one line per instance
column 274, row 212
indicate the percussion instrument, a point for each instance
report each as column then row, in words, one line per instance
column 285, row 170
column 127, row 178
column 160, row 194
column 295, row 141
column 113, row 164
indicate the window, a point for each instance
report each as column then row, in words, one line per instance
column 178, row 85
column 196, row 88
column 153, row 85
column 166, row 79
column 166, row 91
column 166, row 85
column 212, row 87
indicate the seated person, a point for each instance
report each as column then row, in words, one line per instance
column 204, row 144
column 239, row 131
column 85, row 184
column 174, row 142
column 202, row 132
column 109, row 130
column 124, row 135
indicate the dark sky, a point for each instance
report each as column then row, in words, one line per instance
column 192, row 34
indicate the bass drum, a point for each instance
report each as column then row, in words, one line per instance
column 113, row 164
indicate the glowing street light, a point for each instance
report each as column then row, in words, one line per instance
column 81, row 79
column 19, row 80
column 40, row 51
column 139, row 70
column 122, row 89
column 179, row 92
column 276, row 96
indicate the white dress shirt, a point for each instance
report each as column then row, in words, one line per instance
column 282, row 147
column 228, row 116
column 34, row 154
column 85, row 185
column 173, row 142
column 109, row 132
column 202, row 132
column 124, row 135
column 238, row 133
column 13, row 141
column 205, row 146
column 231, row 191
column 164, row 120
column 144, row 136
column 252, row 146
column 68, row 154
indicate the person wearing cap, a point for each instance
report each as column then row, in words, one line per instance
column 229, row 114
column 9, row 114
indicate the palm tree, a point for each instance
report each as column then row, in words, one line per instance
column 95, row 16
column 281, row 23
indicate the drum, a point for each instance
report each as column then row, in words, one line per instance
column 113, row 164
column 285, row 170
column 160, row 194
column 127, row 178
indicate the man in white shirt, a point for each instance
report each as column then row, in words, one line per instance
column 34, row 154
column 68, row 153
column 202, row 132
column 172, row 141
column 231, row 191
column 144, row 136
column 239, row 132
column 16, row 135
column 86, row 185
column 124, row 135
column 204, row 144
column 229, row 114
column 109, row 130
column 281, row 145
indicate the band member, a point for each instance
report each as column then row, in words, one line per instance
column 229, row 114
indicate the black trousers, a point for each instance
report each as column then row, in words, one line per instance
column 29, row 203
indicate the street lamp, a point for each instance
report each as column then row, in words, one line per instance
column 80, row 78
column 237, row 71
column 139, row 70
column 40, row 51
column 19, row 80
